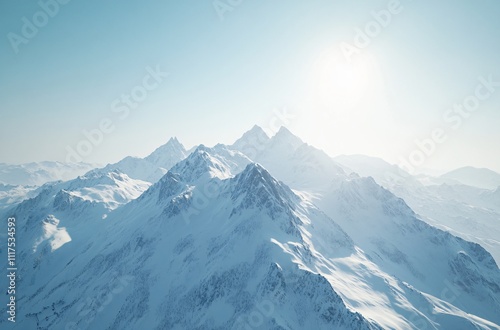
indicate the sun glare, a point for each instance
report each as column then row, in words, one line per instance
column 347, row 101
column 340, row 83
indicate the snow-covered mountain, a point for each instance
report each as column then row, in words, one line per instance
column 208, row 274
column 493, row 198
column 288, row 158
column 401, row 244
column 469, row 212
column 152, row 167
column 62, row 210
column 471, row 176
column 268, row 233
column 354, row 200
column 92, row 192
column 37, row 174
column 24, row 181
column 11, row 195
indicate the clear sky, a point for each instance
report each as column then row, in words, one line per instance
column 231, row 66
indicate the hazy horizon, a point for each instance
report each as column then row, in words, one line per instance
column 111, row 223
column 382, row 79
column 419, row 170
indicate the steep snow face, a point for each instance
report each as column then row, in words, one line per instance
column 285, row 140
column 395, row 239
column 52, row 235
column 218, row 162
column 469, row 212
column 63, row 215
column 152, row 167
column 218, row 272
column 290, row 160
column 252, row 142
column 219, row 243
column 69, row 211
column 471, row 176
column 395, row 234
column 37, row 174
column 136, row 168
column 253, row 254
column 279, row 147
column 168, row 155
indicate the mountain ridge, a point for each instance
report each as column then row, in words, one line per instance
column 282, row 238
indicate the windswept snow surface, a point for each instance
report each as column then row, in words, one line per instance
column 152, row 167
column 37, row 174
column 269, row 233
column 471, row 176
column 469, row 212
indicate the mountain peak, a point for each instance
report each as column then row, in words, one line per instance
column 168, row 154
column 284, row 130
column 477, row 177
column 256, row 188
column 257, row 170
column 201, row 149
column 252, row 141
column 172, row 143
column 256, row 177
column 284, row 135
column 200, row 163
column 257, row 129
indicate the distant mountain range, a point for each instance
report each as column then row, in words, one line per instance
column 471, row 176
column 267, row 233
column 36, row 174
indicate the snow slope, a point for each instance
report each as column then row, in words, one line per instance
column 63, row 210
column 11, row 195
column 37, row 174
column 218, row 242
column 209, row 274
column 471, row 176
column 152, row 167
column 289, row 158
column 353, row 201
column 395, row 238
column 469, row 212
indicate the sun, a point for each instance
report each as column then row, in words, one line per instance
column 346, row 101
column 339, row 83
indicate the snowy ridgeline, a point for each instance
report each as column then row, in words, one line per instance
column 269, row 233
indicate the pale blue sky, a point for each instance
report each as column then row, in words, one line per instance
column 227, row 75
